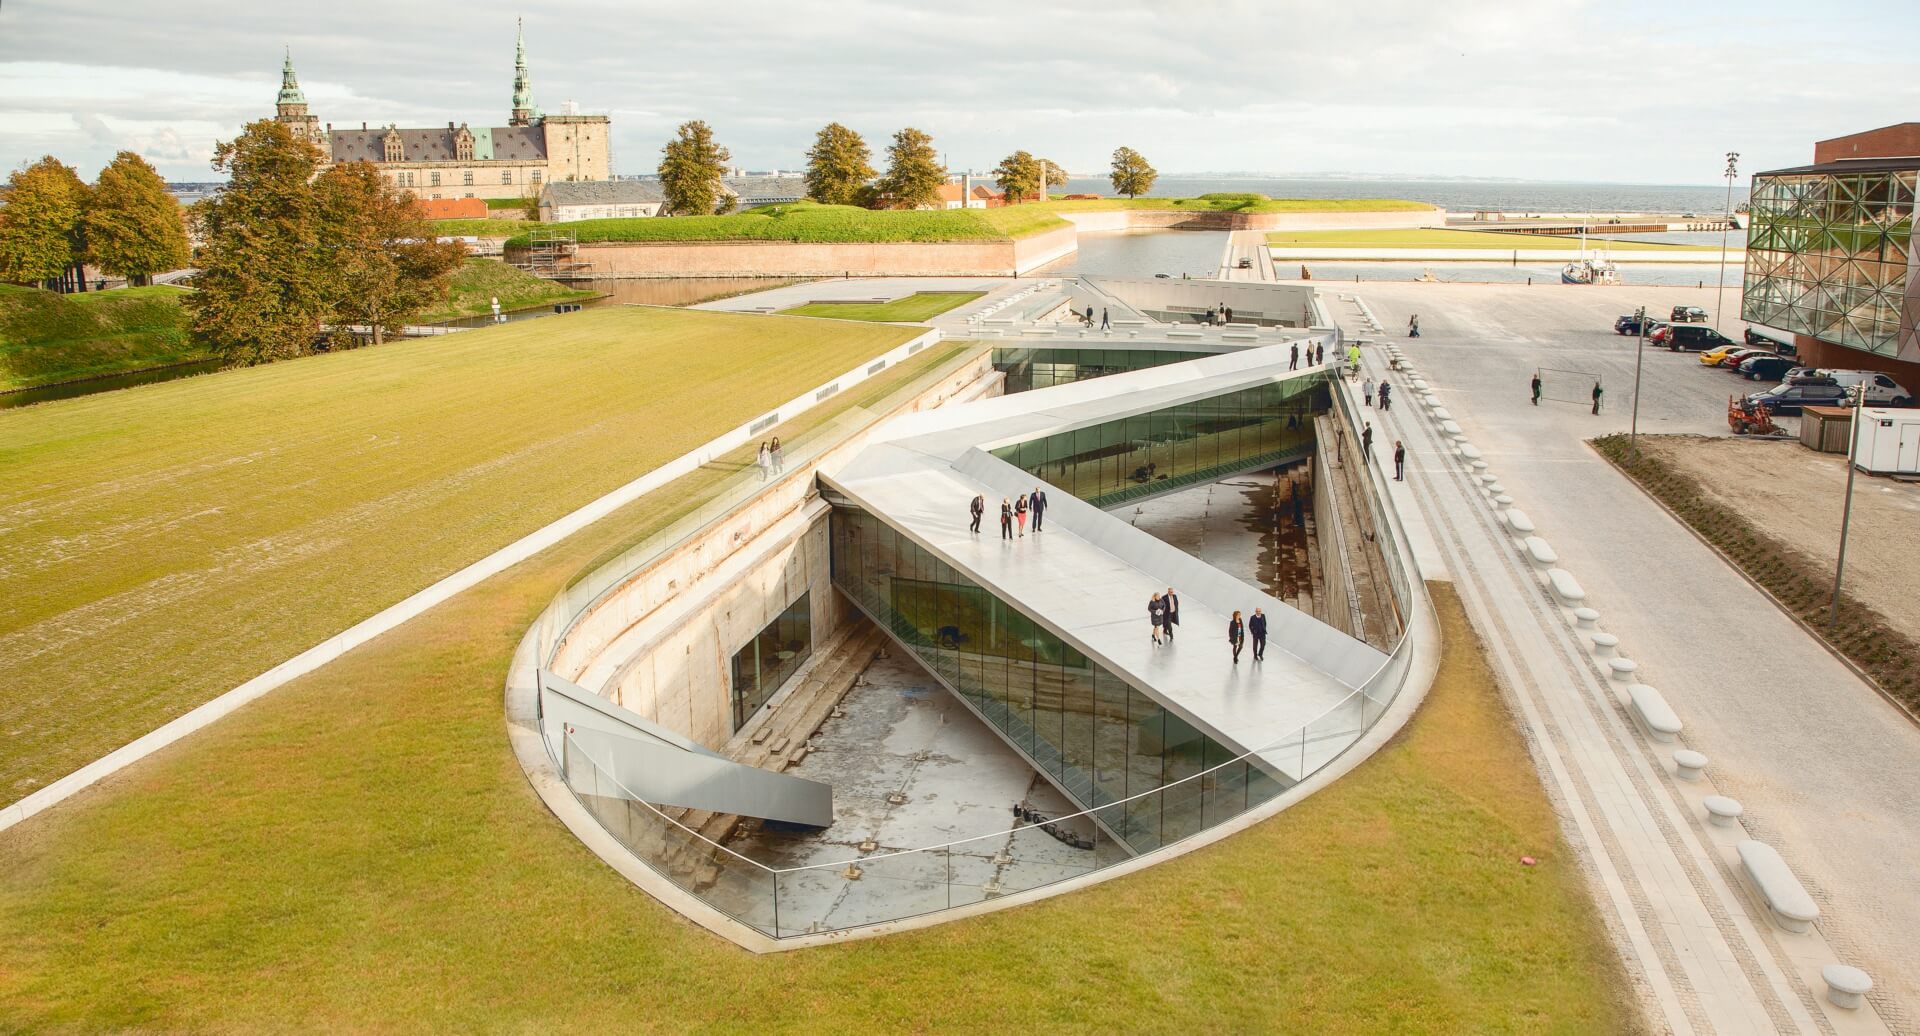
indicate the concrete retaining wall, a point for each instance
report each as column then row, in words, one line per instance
column 641, row 259
column 1163, row 219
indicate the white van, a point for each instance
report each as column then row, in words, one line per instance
column 1881, row 389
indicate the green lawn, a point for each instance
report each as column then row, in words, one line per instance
column 924, row 305
column 1238, row 202
column 46, row 337
column 480, row 227
column 477, row 283
column 168, row 542
column 808, row 222
column 359, row 851
column 1426, row 239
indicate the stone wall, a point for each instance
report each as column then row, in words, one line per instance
column 638, row 259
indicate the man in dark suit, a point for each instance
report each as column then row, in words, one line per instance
column 1006, row 519
column 1258, row 627
column 977, row 508
column 1173, row 611
column 1037, row 503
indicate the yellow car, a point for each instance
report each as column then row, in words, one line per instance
column 1713, row 357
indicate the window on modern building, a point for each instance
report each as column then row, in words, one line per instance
column 433, row 180
column 467, row 179
column 769, row 658
column 506, row 176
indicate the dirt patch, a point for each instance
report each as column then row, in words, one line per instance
column 1774, row 509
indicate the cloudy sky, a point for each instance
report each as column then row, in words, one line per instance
column 1616, row 91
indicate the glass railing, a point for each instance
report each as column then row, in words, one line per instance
column 1034, row 851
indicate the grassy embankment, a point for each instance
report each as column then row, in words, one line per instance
column 924, row 305
column 823, row 224
column 46, row 337
column 1248, row 203
column 1801, row 584
column 360, row 850
column 480, row 227
column 476, row 284
column 1427, row 239
column 167, row 543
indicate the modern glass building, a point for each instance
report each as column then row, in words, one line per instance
column 1830, row 256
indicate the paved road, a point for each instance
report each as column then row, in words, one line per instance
column 1252, row 246
column 1829, row 773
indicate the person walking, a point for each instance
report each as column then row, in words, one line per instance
column 1320, row 354
column 1413, row 326
column 1366, row 443
column 1399, row 462
column 977, row 508
column 1257, row 625
column 1172, row 601
column 1105, row 325
column 779, row 458
column 1596, row 397
column 1294, row 364
column 1386, row 397
column 1006, row 519
column 1366, row 390
column 1037, row 503
column 1157, row 615
column 765, row 460
column 1236, row 635
column 1229, row 314
column 1536, row 388
column 1020, row 513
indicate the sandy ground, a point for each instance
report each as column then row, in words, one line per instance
column 1796, row 495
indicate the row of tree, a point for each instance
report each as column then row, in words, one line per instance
column 55, row 225
column 840, row 171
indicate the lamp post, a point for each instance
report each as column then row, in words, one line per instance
column 1633, row 437
column 1846, row 513
column 1733, row 157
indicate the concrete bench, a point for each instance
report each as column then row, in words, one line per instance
column 1621, row 670
column 1651, row 711
column 1585, row 618
column 1846, row 985
column 1722, row 811
column 1239, row 336
column 1469, row 451
column 1518, row 521
column 1452, row 428
column 1048, row 331
column 1541, row 552
column 1792, row 909
column 1604, row 644
column 1564, row 585
column 1419, row 385
column 1688, row 764
column 1441, row 413
column 1008, row 321
column 1185, row 334
column 1502, row 501
column 1129, row 323
column 1496, row 490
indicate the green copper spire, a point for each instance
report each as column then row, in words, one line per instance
column 522, row 91
column 290, row 86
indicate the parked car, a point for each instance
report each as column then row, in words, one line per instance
column 1628, row 324
column 1712, row 357
column 1881, row 389
column 1691, row 337
column 1789, row 397
column 1688, row 315
column 1734, row 359
column 1766, row 367
column 1765, row 339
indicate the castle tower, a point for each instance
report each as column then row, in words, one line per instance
column 290, row 108
column 522, row 91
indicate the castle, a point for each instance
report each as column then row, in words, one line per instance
column 512, row 161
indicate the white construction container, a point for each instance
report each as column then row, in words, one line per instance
column 1888, row 441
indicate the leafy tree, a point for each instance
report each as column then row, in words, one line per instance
column 1020, row 175
column 43, row 226
column 134, row 227
column 263, row 287
column 914, row 172
column 691, row 165
column 1132, row 176
column 381, row 259
column 838, row 166
column 1056, row 176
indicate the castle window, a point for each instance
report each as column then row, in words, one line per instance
column 506, row 176
column 469, row 179
column 433, row 180
column 536, row 176
column 394, row 151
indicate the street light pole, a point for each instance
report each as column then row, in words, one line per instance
column 1846, row 513
column 1633, row 437
column 1720, row 293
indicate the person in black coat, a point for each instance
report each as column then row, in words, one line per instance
column 1258, row 627
column 977, row 508
column 1366, row 443
column 1157, row 615
column 1006, row 519
column 1037, row 503
column 1236, row 635
column 1172, row 601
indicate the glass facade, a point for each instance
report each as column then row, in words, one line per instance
column 769, row 658
column 1127, row 458
column 1829, row 253
column 1037, row 368
column 1100, row 738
